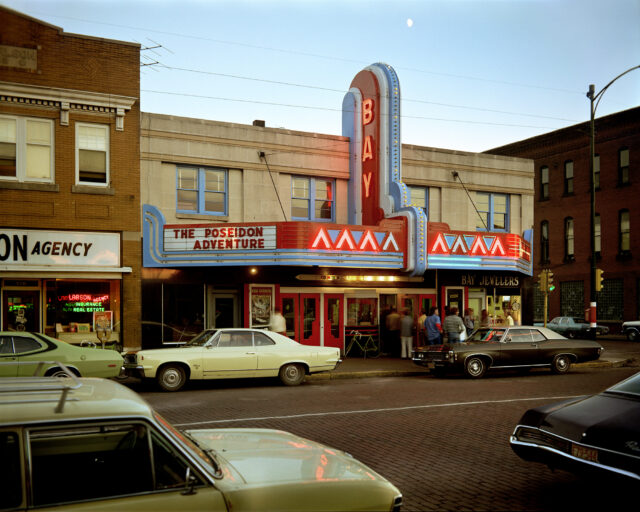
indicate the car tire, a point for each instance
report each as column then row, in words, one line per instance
column 171, row 377
column 632, row 335
column 475, row 367
column 561, row 364
column 291, row 374
column 571, row 335
column 59, row 372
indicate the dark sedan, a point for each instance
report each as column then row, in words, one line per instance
column 599, row 434
column 519, row 347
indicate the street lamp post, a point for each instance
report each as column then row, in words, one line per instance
column 595, row 101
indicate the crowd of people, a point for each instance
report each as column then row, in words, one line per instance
column 398, row 328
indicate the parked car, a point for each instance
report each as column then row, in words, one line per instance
column 631, row 330
column 520, row 347
column 231, row 353
column 573, row 327
column 125, row 456
column 598, row 434
column 31, row 347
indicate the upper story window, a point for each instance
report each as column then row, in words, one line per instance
column 625, row 232
column 544, row 182
column 201, row 190
column 596, row 171
column 92, row 154
column 419, row 197
column 569, row 242
column 544, row 241
column 312, row 199
column 623, row 166
column 568, row 177
column 493, row 210
column 26, row 149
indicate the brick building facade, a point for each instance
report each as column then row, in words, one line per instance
column 69, row 181
column 562, row 216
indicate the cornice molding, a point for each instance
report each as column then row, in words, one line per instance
column 67, row 99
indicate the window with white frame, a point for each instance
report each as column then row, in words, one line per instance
column 201, row 190
column 312, row 199
column 625, row 231
column 493, row 210
column 92, row 154
column 544, row 241
column 623, row 166
column 26, row 149
column 419, row 197
column 569, row 239
column 544, row 182
column 568, row 177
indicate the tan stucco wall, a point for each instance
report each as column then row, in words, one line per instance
column 254, row 187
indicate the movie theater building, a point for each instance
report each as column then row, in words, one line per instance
column 334, row 230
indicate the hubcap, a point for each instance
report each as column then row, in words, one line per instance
column 171, row 377
column 292, row 372
column 562, row 363
column 475, row 367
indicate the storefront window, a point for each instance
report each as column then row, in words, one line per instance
column 362, row 311
column 72, row 306
column 501, row 307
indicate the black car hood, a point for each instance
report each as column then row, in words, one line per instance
column 605, row 421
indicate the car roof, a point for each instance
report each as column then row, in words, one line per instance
column 25, row 400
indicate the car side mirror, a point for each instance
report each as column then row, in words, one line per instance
column 189, row 483
column 508, row 338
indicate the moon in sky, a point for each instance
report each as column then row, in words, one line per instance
column 409, row 22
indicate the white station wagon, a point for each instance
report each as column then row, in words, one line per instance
column 231, row 354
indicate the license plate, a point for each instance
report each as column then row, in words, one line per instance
column 584, row 452
column 431, row 365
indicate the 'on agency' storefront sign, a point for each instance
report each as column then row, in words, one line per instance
column 24, row 248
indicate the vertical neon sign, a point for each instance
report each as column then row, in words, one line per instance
column 367, row 83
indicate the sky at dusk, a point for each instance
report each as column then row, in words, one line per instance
column 474, row 74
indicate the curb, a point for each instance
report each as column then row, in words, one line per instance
column 604, row 363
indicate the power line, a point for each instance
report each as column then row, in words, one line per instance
column 342, row 91
column 307, row 54
column 328, row 109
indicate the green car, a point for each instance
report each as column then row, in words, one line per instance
column 28, row 348
column 83, row 444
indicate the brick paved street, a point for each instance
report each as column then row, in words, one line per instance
column 443, row 442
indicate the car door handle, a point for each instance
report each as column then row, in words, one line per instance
column 252, row 353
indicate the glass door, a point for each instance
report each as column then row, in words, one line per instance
column 289, row 307
column 333, row 321
column 310, row 328
column 21, row 310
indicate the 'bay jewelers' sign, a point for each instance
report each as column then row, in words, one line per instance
column 226, row 238
column 23, row 248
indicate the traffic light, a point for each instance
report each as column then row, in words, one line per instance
column 550, row 285
column 543, row 281
column 599, row 279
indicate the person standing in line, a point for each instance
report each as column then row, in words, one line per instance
column 278, row 323
column 433, row 328
column 421, row 341
column 508, row 320
column 469, row 321
column 453, row 326
column 393, row 327
column 485, row 321
column 406, row 334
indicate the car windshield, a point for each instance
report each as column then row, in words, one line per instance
column 487, row 334
column 631, row 386
column 201, row 339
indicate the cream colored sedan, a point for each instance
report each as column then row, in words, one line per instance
column 229, row 354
